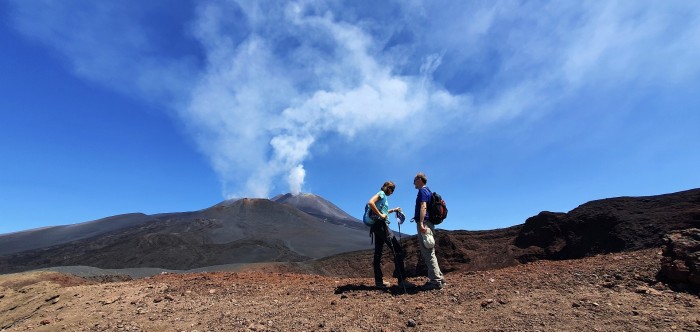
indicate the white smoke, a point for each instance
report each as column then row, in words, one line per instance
column 275, row 79
column 258, row 118
column 296, row 179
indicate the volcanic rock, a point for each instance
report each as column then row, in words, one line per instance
column 681, row 262
column 608, row 225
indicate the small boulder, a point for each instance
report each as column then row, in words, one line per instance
column 680, row 264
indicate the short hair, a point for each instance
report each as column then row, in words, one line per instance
column 422, row 176
column 388, row 185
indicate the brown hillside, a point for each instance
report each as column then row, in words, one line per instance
column 614, row 292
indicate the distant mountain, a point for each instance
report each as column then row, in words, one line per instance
column 231, row 232
column 319, row 207
column 49, row 236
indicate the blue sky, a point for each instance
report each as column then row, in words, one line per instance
column 509, row 107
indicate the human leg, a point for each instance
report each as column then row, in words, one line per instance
column 434, row 273
column 399, row 256
column 379, row 236
column 399, row 264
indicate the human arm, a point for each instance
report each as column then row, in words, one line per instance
column 373, row 206
column 421, row 219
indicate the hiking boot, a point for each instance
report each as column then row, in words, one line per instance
column 381, row 284
column 430, row 285
column 407, row 284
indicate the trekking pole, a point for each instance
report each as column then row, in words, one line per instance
column 400, row 218
column 403, row 277
column 399, row 222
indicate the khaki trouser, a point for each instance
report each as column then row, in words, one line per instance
column 434, row 273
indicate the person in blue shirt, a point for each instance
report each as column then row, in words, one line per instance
column 437, row 281
column 379, row 208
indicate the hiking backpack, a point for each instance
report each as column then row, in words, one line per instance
column 369, row 217
column 437, row 210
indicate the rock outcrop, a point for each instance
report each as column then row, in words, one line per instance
column 608, row 225
column 680, row 265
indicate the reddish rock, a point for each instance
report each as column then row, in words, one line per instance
column 680, row 265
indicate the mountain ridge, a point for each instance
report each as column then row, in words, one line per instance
column 320, row 207
column 241, row 231
column 245, row 231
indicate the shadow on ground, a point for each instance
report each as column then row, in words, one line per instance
column 394, row 290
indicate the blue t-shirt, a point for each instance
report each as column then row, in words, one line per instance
column 423, row 196
column 382, row 203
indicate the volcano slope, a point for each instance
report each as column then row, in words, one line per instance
column 321, row 208
column 238, row 232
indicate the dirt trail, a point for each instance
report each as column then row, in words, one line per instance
column 615, row 292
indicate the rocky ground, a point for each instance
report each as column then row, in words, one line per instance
column 615, row 292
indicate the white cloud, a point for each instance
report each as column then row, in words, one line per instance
column 275, row 79
column 623, row 42
column 529, row 57
column 106, row 43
